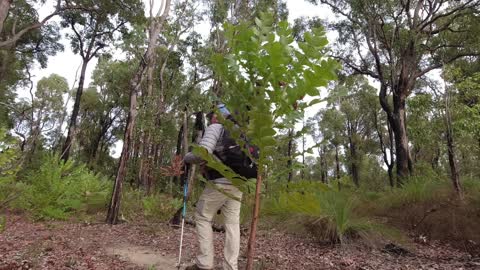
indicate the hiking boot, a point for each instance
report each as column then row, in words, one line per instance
column 195, row 267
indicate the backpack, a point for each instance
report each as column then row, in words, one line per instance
column 232, row 155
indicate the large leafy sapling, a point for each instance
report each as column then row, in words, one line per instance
column 265, row 76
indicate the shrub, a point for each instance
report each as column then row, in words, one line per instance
column 157, row 207
column 160, row 206
column 417, row 190
column 57, row 190
column 9, row 166
column 471, row 187
column 327, row 212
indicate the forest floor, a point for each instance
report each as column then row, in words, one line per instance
column 65, row 245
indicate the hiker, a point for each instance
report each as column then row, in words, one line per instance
column 212, row 200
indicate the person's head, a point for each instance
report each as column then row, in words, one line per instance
column 212, row 117
column 222, row 109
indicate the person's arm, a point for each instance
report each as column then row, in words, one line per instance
column 209, row 141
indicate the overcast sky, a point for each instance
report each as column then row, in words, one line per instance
column 66, row 63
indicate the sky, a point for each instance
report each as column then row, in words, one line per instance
column 67, row 64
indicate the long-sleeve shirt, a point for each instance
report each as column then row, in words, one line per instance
column 209, row 141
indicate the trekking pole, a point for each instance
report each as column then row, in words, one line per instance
column 184, row 210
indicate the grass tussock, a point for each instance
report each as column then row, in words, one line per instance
column 326, row 212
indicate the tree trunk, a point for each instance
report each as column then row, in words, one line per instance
column 145, row 159
column 324, row 164
column 114, row 208
column 4, row 8
column 392, row 156
column 303, row 157
column 337, row 163
column 289, row 155
column 73, row 119
column 156, row 26
column 253, row 226
column 383, row 147
column 454, row 176
column 452, row 160
column 191, row 170
column 178, row 151
column 188, row 168
column 354, row 164
column 401, row 139
column 105, row 125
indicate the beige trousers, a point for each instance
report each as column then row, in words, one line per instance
column 209, row 203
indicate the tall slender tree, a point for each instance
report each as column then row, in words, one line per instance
column 91, row 32
column 155, row 28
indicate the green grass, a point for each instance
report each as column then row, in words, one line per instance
column 417, row 190
column 327, row 212
column 156, row 207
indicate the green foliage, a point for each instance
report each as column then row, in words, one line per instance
column 3, row 223
column 329, row 213
column 265, row 77
column 241, row 182
column 156, row 207
column 16, row 59
column 9, row 166
column 471, row 187
column 102, row 23
column 58, row 190
column 160, row 206
column 8, row 155
column 417, row 190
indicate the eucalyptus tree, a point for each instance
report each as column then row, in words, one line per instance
column 18, row 18
column 460, row 110
column 331, row 122
column 155, row 27
column 467, row 110
column 165, row 83
column 109, row 104
column 35, row 119
column 385, row 139
column 425, row 129
column 102, row 110
column 22, row 44
column 317, row 136
column 358, row 127
column 47, row 107
column 464, row 79
column 92, row 31
column 404, row 40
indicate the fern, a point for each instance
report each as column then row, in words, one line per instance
column 57, row 190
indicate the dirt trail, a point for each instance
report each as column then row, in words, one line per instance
column 144, row 256
column 65, row 245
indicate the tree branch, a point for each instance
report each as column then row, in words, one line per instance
column 464, row 6
column 357, row 69
column 79, row 38
column 13, row 40
column 441, row 64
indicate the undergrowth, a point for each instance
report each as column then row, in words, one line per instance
column 326, row 212
column 417, row 190
column 58, row 190
column 156, row 207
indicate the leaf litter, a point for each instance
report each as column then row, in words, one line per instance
column 66, row 245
